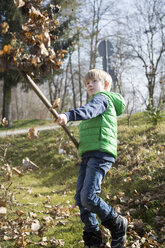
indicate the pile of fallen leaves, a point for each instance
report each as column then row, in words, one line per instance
column 138, row 235
column 31, row 49
column 24, row 226
column 19, row 229
column 139, row 176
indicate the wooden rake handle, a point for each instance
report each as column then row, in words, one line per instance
column 47, row 104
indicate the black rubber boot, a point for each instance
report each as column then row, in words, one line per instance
column 118, row 228
column 92, row 239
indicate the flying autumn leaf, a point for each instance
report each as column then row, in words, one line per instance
column 33, row 134
column 4, row 122
column 56, row 103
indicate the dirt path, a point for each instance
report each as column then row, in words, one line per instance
column 25, row 130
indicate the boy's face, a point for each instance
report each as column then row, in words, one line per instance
column 94, row 86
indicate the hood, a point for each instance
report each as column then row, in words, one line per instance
column 118, row 102
column 116, row 99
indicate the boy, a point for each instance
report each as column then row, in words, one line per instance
column 98, row 149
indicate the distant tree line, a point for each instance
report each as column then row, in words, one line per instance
column 138, row 39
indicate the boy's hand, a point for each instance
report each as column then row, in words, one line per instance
column 61, row 120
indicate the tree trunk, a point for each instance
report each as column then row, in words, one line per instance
column 65, row 88
column 72, row 82
column 47, row 104
column 79, row 75
column 6, row 103
column 151, row 92
column 50, row 91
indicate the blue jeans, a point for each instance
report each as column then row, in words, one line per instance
column 91, row 174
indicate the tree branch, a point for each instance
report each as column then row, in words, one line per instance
column 47, row 104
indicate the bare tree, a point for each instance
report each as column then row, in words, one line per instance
column 72, row 81
column 120, row 63
column 131, row 102
column 100, row 14
column 63, row 101
column 145, row 31
column 79, row 72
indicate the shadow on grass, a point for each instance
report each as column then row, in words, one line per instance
column 65, row 176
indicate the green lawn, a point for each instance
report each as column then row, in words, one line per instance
column 134, row 186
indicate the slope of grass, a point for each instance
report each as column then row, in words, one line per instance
column 134, row 186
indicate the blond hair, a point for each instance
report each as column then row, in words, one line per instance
column 98, row 74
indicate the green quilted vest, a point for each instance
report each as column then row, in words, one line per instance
column 100, row 133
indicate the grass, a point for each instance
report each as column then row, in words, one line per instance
column 135, row 184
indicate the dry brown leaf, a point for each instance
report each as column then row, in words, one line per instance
column 6, row 238
column 127, row 180
column 61, row 223
column 8, row 170
column 28, row 164
column 121, row 193
column 36, row 36
column 7, row 49
column 56, row 103
column 47, row 38
column 48, row 220
column 35, row 226
column 3, row 201
column 33, row 134
column 147, row 177
column 3, row 211
column 4, row 122
column 63, row 51
column 35, row 14
column 138, row 223
column 43, row 49
column 28, row 35
column 32, row 215
column 4, row 27
column 19, row 212
column 34, row 61
column 57, row 242
column 19, row 3
column 18, row 172
column 29, row 26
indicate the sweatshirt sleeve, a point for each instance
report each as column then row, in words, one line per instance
column 95, row 107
